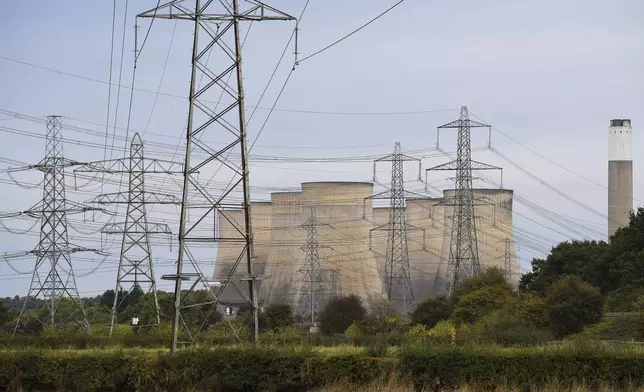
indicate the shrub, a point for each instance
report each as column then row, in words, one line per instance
column 572, row 304
column 382, row 318
column 340, row 312
column 473, row 306
column 503, row 328
column 354, row 331
column 530, row 309
column 278, row 315
column 431, row 311
column 490, row 277
column 443, row 333
column 418, row 334
column 627, row 327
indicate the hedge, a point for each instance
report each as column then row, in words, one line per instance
column 221, row 369
column 524, row 369
column 244, row 368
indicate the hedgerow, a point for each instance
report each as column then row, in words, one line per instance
column 249, row 368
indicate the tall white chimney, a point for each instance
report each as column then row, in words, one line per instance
column 620, row 174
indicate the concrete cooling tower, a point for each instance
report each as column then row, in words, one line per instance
column 346, row 263
column 620, row 174
column 423, row 243
column 345, row 216
column 493, row 230
column 230, row 223
column 285, row 240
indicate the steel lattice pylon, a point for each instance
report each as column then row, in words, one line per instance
column 397, row 281
column 311, row 296
column 216, row 32
column 53, row 276
column 135, row 260
column 463, row 259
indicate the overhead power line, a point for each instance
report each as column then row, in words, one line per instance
column 285, row 110
column 352, row 33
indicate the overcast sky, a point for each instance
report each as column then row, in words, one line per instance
column 550, row 74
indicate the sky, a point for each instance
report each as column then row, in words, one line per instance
column 547, row 75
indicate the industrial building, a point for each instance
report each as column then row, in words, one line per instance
column 620, row 174
column 352, row 257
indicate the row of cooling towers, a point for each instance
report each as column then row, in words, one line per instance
column 352, row 256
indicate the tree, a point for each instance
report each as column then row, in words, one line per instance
column 278, row 315
column 340, row 312
column 432, row 310
column 585, row 259
column 572, row 304
column 4, row 312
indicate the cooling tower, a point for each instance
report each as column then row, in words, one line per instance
column 344, row 232
column 379, row 238
column 493, row 230
column 620, row 174
column 230, row 223
column 286, row 238
column 423, row 243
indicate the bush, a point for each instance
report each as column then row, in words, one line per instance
column 472, row 306
column 629, row 327
column 382, row 318
column 278, row 315
column 431, row 311
column 520, row 369
column 443, row 333
column 572, row 304
column 530, row 309
column 490, row 277
column 264, row 369
column 502, row 328
column 354, row 331
column 418, row 334
column 340, row 312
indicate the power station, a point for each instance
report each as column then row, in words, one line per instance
column 349, row 262
column 620, row 174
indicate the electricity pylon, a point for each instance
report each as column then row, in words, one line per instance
column 216, row 31
column 135, row 261
column 397, row 282
column 463, row 259
column 53, row 276
column 311, row 295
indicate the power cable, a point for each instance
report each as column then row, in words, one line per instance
column 300, row 111
column 353, row 32
column 109, row 88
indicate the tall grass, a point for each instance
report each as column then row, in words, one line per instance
column 393, row 384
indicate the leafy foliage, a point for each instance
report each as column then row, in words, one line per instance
column 340, row 312
column 432, row 310
column 382, row 318
column 571, row 304
column 615, row 268
column 490, row 277
column 278, row 315
column 472, row 306
column 502, row 327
